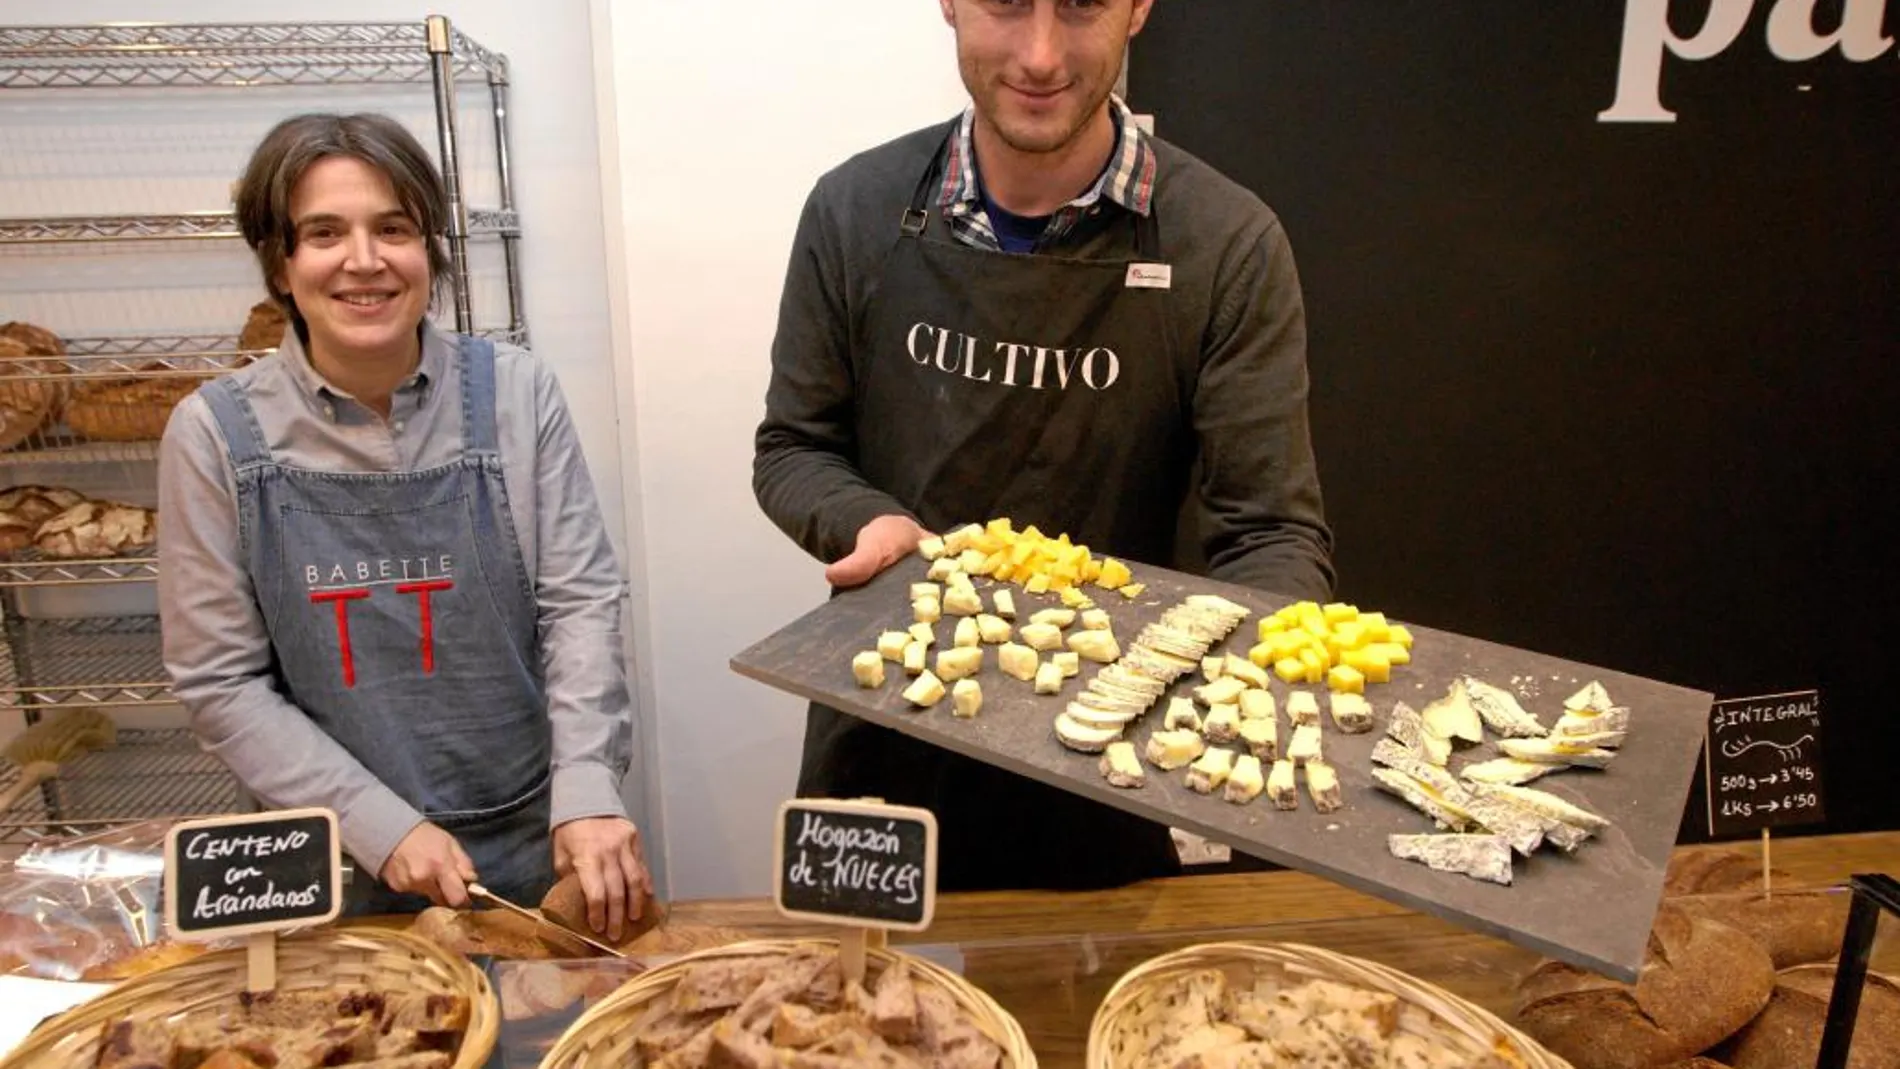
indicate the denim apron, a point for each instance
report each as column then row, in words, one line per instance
column 1043, row 388
column 403, row 623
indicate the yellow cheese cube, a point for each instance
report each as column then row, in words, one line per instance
column 1262, row 655
column 1397, row 633
column 1131, row 591
column 1091, row 570
column 1346, row 680
column 1311, row 619
column 971, row 559
column 1315, row 663
column 1394, row 653
column 1290, row 670
column 1115, row 574
column 1377, row 629
column 1349, row 635
column 1073, row 597
column 1339, row 612
column 1037, row 584
column 1370, row 663
column 1000, row 527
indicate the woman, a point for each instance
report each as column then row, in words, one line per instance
column 385, row 586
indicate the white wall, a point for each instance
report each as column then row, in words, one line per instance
column 186, row 147
column 726, row 114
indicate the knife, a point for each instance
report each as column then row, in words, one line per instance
column 478, row 891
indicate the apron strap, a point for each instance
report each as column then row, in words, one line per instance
column 479, row 436
column 237, row 423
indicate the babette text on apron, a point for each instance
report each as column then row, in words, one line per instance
column 403, row 624
column 1041, row 388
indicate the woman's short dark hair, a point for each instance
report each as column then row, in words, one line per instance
column 280, row 160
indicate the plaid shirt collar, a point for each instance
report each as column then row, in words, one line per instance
column 1128, row 181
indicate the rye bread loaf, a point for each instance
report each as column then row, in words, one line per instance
column 264, row 327
column 1787, row 1034
column 566, row 905
column 29, row 391
column 1701, row 981
column 1796, row 926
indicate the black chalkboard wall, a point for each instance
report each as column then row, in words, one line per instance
column 1622, row 392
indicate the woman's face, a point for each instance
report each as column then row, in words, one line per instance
column 360, row 272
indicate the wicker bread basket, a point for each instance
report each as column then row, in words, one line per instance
column 357, row 957
column 1423, row 1008
column 603, row 1037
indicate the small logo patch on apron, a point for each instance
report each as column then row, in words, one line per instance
column 1150, row 276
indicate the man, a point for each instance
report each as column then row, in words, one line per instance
column 1042, row 313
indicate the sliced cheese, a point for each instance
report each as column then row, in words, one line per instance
column 1590, row 722
column 1421, row 798
column 1454, row 716
column 1501, row 711
column 1099, row 719
column 1547, row 804
column 1507, row 770
column 1545, row 751
column 1222, row 691
column 925, row 590
column 1212, row 668
column 916, row 659
column 923, row 633
column 1082, row 738
column 1591, row 698
column 1095, row 620
column 1247, row 672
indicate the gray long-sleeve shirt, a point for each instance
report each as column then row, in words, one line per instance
column 1235, row 304
column 218, row 651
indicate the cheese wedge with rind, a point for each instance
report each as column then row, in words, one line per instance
column 1098, row 718
column 1246, row 781
column 1549, row 752
column 1501, row 711
column 1352, row 713
column 1282, row 790
column 1210, row 770
column 966, row 699
column 1454, row 716
column 1481, row 857
column 1262, row 738
column 1257, row 705
column 1546, row 804
column 1414, row 794
column 1322, row 785
column 1169, row 750
column 1302, row 708
column 1305, row 744
column 1508, row 770
column 1223, row 691
column 1222, row 724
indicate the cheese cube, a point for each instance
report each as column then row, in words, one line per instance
column 959, row 663
column 925, row 590
column 1210, row 770
column 1040, row 637
column 993, row 629
column 1048, row 678
column 1302, row 708
column 1114, row 575
column 1018, row 662
column 971, row 560
column 1038, row 584
column 1368, row 662
column 868, row 668
column 942, row 569
column 1246, row 671
column 914, row 655
column 1212, row 667
column 1121, row 767
column 1262, row 738
column 924, row 691
column 1222, row 724
column 1005, row 604
column 1262, row 655
column 1377, row 629
column 1322, row 783
column 959, row 540
column 1281, row 788
column 966, row 698
column 1181, row 715
column 1352, row 713
column 1058, row 618
column 962, row 601
column 1246, row 781
column 1394, row 653
column 1305, row 745
column 890, row 645
column 966, row 633
column 923, row 633
column 1131, row 591
column 1069, row 661
column 1290, row 670
column 1256, row 705
column 1072, row 596
column 1348, row 636
column 927, row 610
column 1169, row 750
column 930, row 548
column 1339, row 612
column 1095, row 620
column 1097, row 646
column 1346, row 679
column 1315, row 663
column 1400, row 635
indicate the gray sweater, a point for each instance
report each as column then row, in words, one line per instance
column 1239, row 327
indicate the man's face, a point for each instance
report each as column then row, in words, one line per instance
column 1039, row 70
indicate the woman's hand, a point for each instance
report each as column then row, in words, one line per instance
column 430, row 862
column 605, row 853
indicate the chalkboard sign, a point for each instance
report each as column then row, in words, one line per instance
column 859, row 864
column 1763, row 757
column 261, row 872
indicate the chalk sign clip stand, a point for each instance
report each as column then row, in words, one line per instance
column 863, row 866
column 253, row 876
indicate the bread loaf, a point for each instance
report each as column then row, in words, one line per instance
column 264, row 327
column 1788, row 1032
column 1701, row 981
column 1795, row 927
column 494, row 933
column 97, row 529
column 566, row 905
column 29, row 390
column 128, row 410
column 38, row 340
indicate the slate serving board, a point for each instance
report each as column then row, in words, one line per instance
column 1592, row 908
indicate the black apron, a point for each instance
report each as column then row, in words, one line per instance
column 1048, row 390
